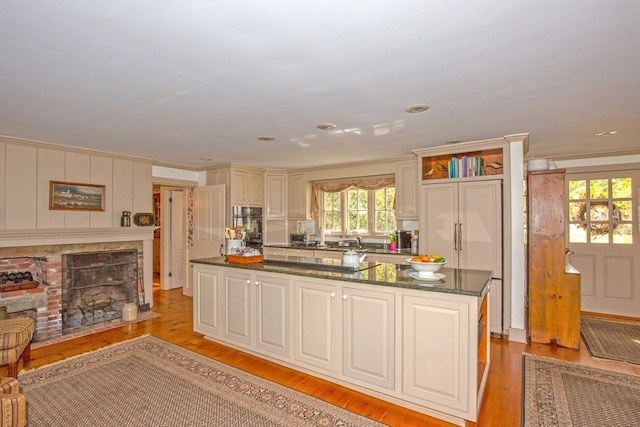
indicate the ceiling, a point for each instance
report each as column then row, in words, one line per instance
column 183, row 81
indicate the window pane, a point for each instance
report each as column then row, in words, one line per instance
column 577, row 211
column 623, row 234
column 577, row 190
column 599, row 211
column 599, row 188
column 622, row 211
column 599, row 233
column 621, row 188
column 577, row 233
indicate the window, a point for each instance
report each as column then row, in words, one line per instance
column 600, row 210
column 369, row 212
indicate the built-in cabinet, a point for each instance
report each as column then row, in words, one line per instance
column 275, row 196
column 554, row 290
column 407, row 185
column 297, row 197
column 256, row 310
column 464, row 211
column 245, row 186
column 429, row 350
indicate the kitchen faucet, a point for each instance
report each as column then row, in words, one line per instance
column 359, row 241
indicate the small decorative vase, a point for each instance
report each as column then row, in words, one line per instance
column 392, row 246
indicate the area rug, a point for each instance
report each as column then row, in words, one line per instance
column 151, row 382
column 98, row 327
column 612, row 339
column 559, row 393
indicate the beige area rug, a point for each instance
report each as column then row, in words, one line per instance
column 612, row 339
column 559, row 393
column 98, row 327
column 150, row 382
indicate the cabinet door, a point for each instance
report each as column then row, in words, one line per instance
column 238, row 187
column 236, row 295
column 206, row 300
column 435, row 353
column 438, row 219
column 316, row 322
column 407, row 191
column 275, row 200
column 272, row 312
column 254, row 189
column 480, row 226
column 297, row 197
column 368, row 331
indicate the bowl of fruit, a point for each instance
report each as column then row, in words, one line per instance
column 427, row 265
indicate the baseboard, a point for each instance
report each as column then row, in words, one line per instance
column 518, row 335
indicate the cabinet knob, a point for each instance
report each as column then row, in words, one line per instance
column 344, row 297
column 248, row 282
column 257, row 283
column 333, row 294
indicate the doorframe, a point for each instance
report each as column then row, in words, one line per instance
column 170, row 184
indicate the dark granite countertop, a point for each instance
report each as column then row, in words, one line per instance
column 334, row 247
column 455, row 281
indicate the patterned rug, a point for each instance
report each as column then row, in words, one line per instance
column 559, row 393
column 150, row 382
column 612, row 339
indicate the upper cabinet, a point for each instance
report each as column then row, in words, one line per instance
column 275, row 195
column 246, row 187
column 407, row 190
column 297, row 196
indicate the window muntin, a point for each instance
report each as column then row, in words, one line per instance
column 368, row 212
column 600, row 210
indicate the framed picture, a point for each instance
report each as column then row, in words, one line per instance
column 74, row 196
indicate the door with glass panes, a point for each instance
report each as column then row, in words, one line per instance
column 603, row 238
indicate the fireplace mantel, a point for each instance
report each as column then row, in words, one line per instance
column 63, row 236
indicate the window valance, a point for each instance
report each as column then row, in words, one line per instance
column 336, row 186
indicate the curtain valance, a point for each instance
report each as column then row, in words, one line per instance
column 336, row 186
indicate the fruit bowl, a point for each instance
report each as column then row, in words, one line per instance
column 426, row 269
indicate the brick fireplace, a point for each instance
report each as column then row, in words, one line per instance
column 20, row 252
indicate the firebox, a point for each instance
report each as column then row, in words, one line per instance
column 95, row 286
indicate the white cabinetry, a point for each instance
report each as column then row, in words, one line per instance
column 206, row 300
column 267, row 250
column 306, row 253
column 276, row 196
column 407, row 190
column 462, row 221
column 319, row 253
column 368, row 336
column 316, row 320
column 297, row 206
column 256, row 310
column 246, row 187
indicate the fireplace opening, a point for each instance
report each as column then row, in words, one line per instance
column 95, row 286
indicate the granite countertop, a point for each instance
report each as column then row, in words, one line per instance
column 455, row 281
column 334, row 247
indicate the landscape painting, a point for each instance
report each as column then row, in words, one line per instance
column 73, row 196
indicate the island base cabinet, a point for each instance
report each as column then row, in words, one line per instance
column 368, row 331
column 316, row 325
column 436, row 354
column 236, row 295
column 206, row 301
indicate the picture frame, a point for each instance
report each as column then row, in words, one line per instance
column 76, row 196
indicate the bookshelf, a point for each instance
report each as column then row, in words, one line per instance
column 468, row 164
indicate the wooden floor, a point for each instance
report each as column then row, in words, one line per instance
column 501, row 403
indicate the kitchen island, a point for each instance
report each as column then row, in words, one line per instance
column 419, row 344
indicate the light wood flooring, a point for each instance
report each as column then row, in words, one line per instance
column 501, row 402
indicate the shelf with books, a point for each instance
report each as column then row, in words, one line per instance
column 463, row 165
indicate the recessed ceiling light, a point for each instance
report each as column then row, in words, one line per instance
column 266, row 138
column 417, row 108
column 326, row 126
column 205, row 159
column 608, row 133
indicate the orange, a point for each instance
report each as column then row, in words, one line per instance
column 425, row 259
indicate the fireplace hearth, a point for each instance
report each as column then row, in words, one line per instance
column 95, row 286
